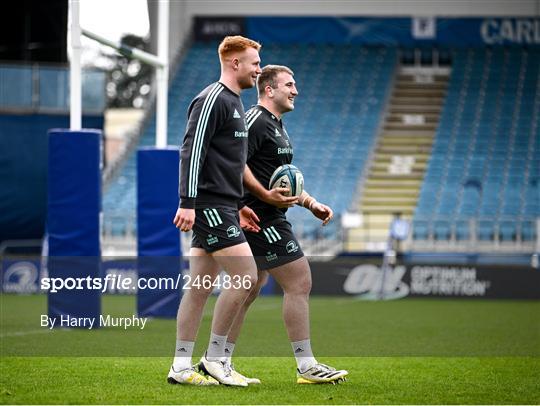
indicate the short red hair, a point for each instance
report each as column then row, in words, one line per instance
column 236, row 43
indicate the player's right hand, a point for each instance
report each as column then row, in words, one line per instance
column 276, row 197
column 249, row 220
column 184, row 219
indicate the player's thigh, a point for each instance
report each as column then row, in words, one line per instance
column 202, row 265
column 237, row 260
column 293, row 277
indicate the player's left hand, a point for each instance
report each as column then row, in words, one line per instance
column 249, row 220
column 323, row 212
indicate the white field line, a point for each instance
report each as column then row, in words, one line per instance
column 25, row 333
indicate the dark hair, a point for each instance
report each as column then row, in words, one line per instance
column 268, row 77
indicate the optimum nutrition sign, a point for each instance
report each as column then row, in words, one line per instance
column 365, row 280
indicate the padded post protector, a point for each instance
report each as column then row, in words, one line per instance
column 158, row 240
column 73, row 226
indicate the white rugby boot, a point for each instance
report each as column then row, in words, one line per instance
column 321, row 373
column 221, row 372
column 189, row 376
column 250, row 381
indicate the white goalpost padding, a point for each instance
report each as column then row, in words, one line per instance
column 160, row 62
column 75, row 110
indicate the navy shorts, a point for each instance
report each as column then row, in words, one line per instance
column 274, row 245
column 216, row 228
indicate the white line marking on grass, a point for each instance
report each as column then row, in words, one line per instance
column 25, row 333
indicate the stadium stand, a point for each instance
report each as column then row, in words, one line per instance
column 343, row 91
column 481, row 182
column 404, row 144
column 482, row 178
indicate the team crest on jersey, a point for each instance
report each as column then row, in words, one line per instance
column 232, row 232
column 236, row 114
column 277, row 133
column 291, row 247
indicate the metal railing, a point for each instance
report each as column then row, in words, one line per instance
column 517, row 234
column 437, row 234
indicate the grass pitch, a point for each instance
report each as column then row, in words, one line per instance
column 407, row 351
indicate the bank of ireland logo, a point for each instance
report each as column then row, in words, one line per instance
column 271, row 256
column 232, row 232
column 291, row 247
column 212, row 239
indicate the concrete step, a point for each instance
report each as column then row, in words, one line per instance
column 383, row 161
column 419, row 102
column 406, row 85
column 410, row 127
column 406, row 139
column 388, row 200
column 393, row 183
column 402, row 78
column 431, row 118
column 414, row 109
column 371, row 220
column 388, row 209
column 408, row 132
column 388, row 157
column 404, row 149
column 390, row 192
column 384, row 166
column 420, row 92
column 384, row 175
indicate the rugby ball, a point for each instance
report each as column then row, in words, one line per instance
column 288, row 176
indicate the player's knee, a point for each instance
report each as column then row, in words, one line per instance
column 250, row 281
column 252, row 296
column 256, row 289
column 200, row 293
column 300, row 287
column 304, row 287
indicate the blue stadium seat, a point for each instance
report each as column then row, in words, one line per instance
column 487, row 124
column 420, row 230
column 507, row 231
column 441, row 230
column 528, row 230
column 485, row 230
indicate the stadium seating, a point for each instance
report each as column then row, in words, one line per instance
column 485, row 163
column 342, row 93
